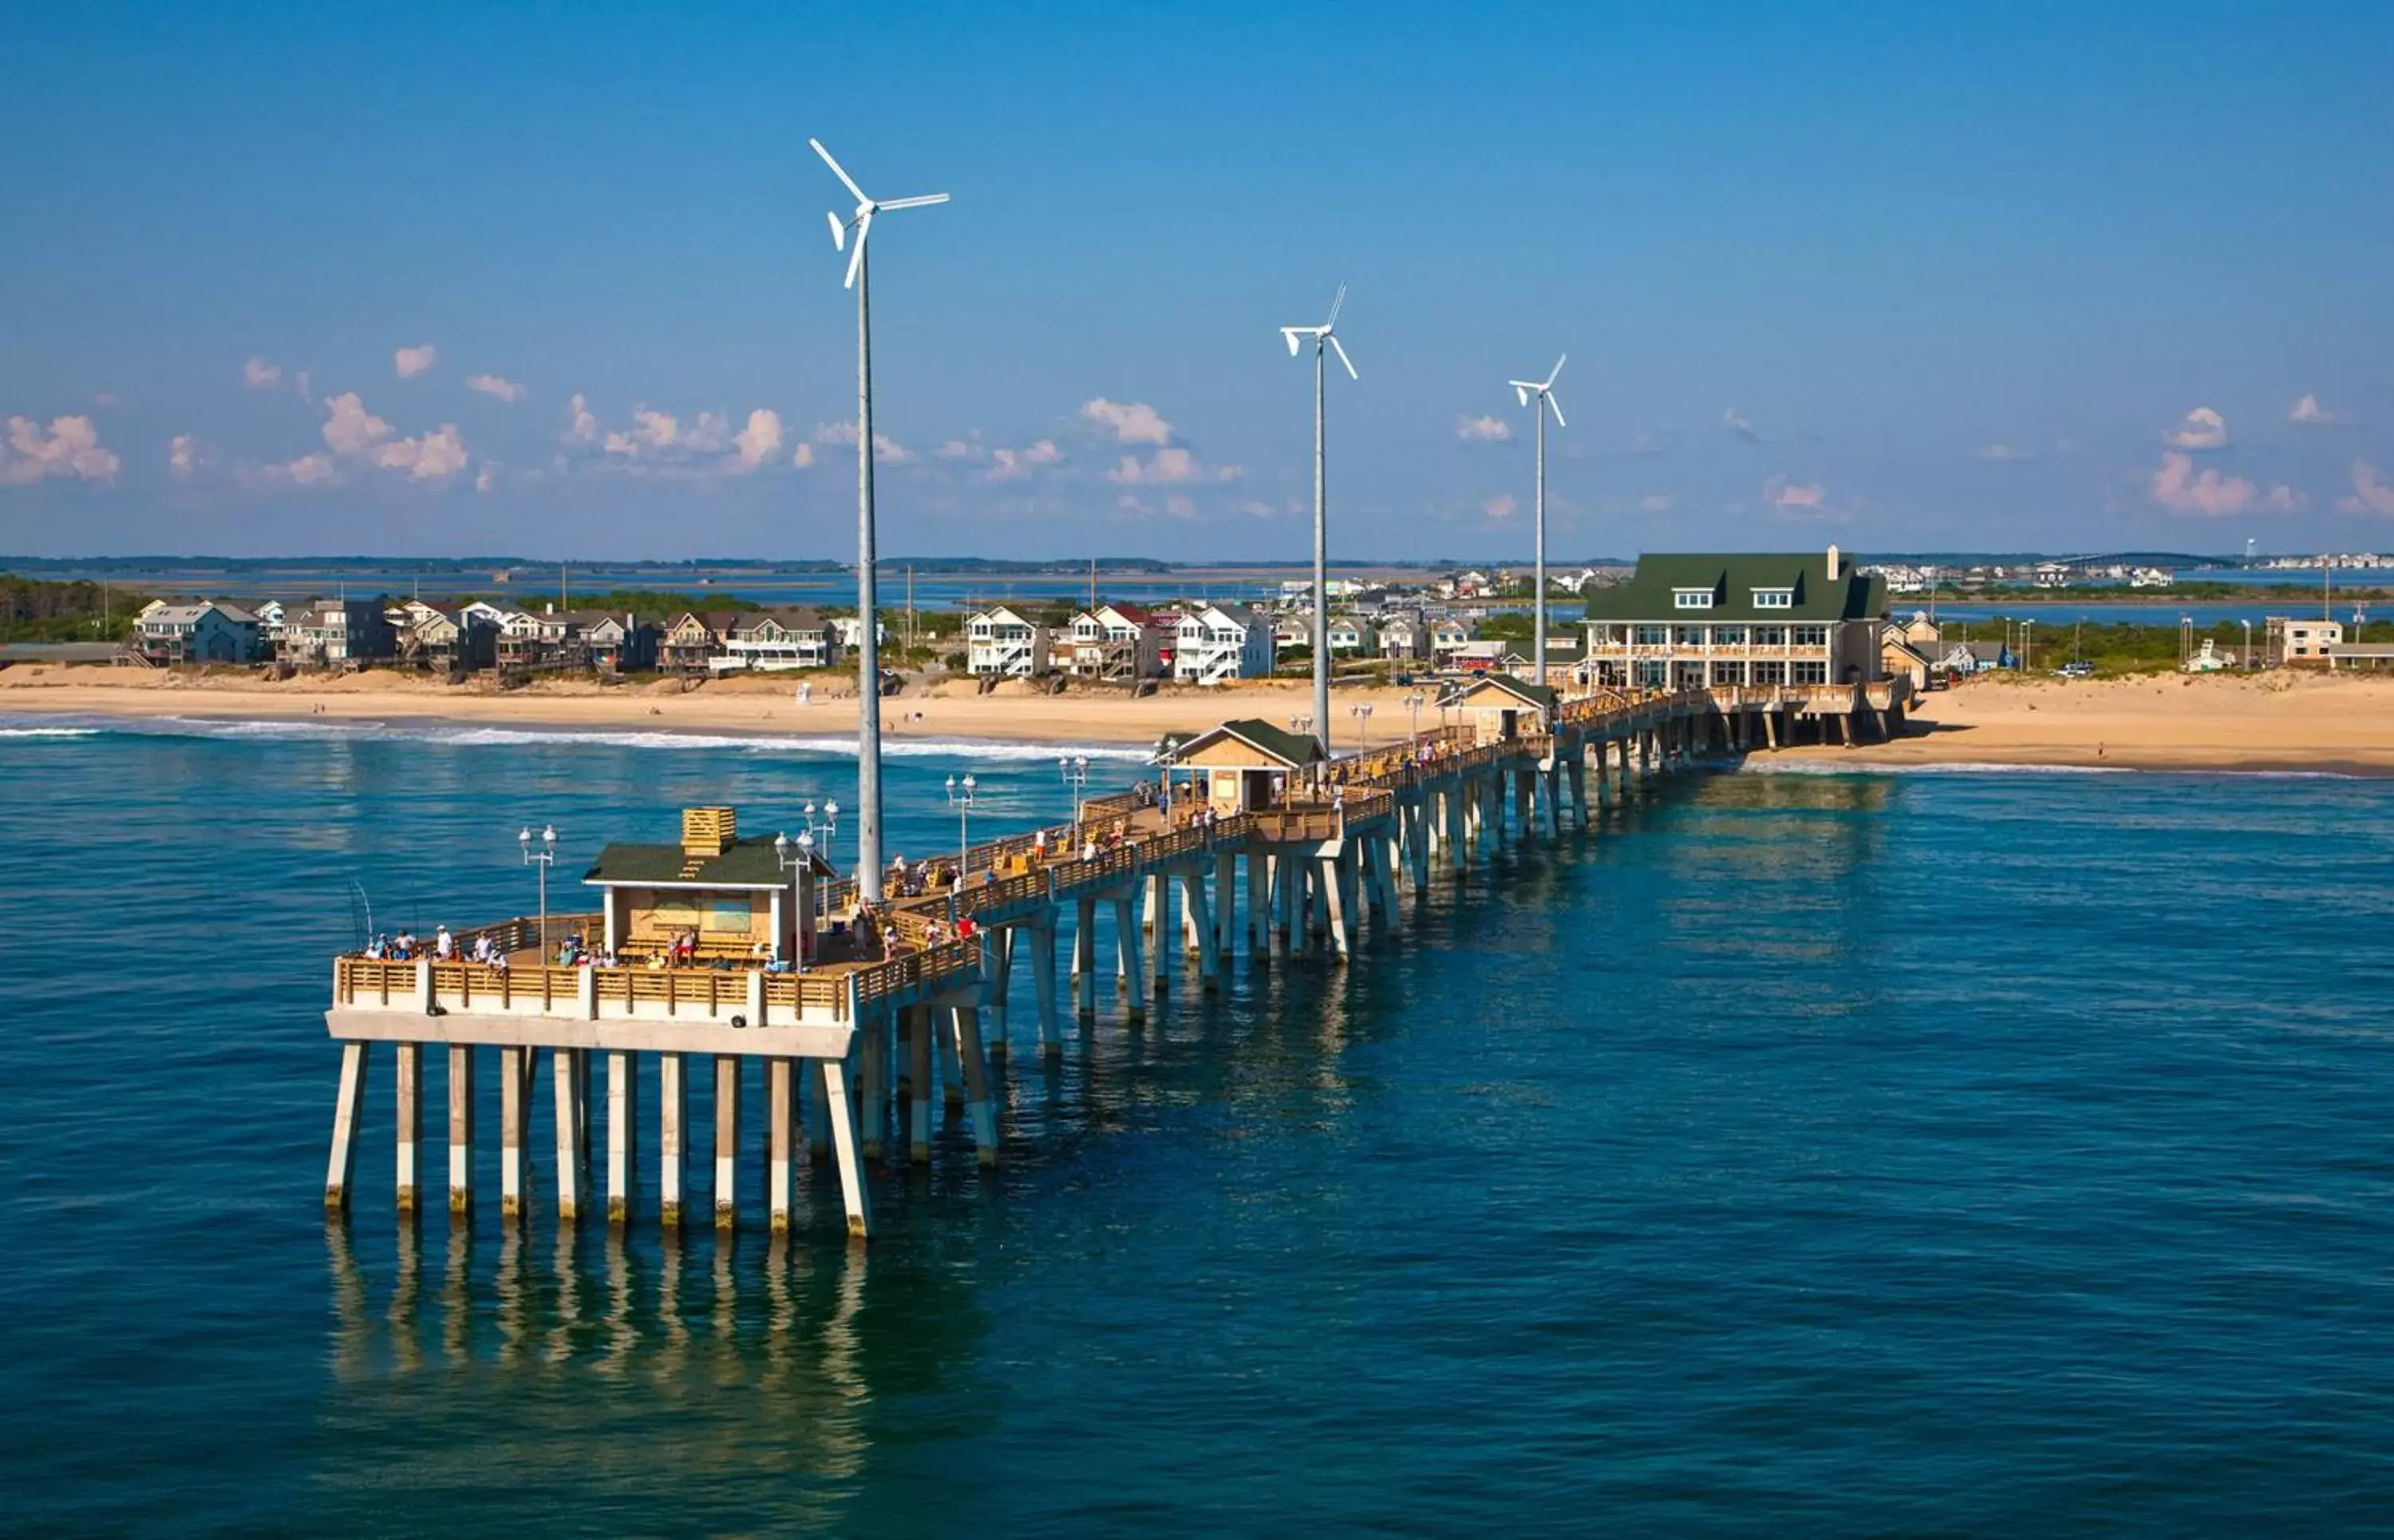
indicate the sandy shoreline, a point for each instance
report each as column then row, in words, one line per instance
column 2282, row 721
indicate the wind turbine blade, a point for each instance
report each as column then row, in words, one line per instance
column 845, row 180
column 839, row 231
column 1521, row 390
column 1336, row 300
column 856, row 258
column 914, row 203
column 1558, row 412
column 1525, row 385
column 1341, row 349
column 1555, row 373
column 1289, row 334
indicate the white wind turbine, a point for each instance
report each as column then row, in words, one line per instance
column 1542, row 394
column 868, row 642
column 1323, row 337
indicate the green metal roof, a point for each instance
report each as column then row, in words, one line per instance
column 750, row 862
column 1651, row 595
column 1279, row 743
column 1539, row 695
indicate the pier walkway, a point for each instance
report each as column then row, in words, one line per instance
column 1329, row 848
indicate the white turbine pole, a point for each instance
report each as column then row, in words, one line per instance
column 868, row 611
column 1321, row 561
column 1538, row 588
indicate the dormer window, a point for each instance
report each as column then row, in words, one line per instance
column 1774, row 599
column 1692, row 598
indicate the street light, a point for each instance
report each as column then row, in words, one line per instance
column 960, row 797
column 2249, row 640
column 803, row 863
column 1075, row 771
column 2028, row 647
column 543, row 858
column 1361, row 712
column 1413, row 704
column 1302, row 725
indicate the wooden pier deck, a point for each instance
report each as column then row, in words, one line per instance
column 1336, row 851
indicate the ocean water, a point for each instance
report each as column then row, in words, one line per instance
column 1968, row 1152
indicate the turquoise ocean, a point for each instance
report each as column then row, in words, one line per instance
column 1968, row 1152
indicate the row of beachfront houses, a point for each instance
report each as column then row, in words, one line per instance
column 480, row 635
column 1211, row 643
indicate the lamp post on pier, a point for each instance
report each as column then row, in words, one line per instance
column 545, row 857
column 803, row 863
column 1075, row 771
column 960, row 797
column 1302, row 725
column 1413, row 704
column 1361, row 712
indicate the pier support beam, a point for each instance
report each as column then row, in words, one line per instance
column 1043, row 985
column 981, row 1110
column 407, row 1075
column 845, row 1151
column 461, row 1131
column 1226, row 904
column 780, row 1109
column 917, row 1025
column 571, row 1117
column 515, row 1117
column 1126, row 959
column 673, row 1133
column 726, row 1140
column 623, row 1135
column 1084, row 960
column 1200, row 919
column 349, row 1110
column 870, row 1084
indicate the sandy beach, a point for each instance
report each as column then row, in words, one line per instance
column 2280, row 720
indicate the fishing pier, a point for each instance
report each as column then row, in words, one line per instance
column 731, row 959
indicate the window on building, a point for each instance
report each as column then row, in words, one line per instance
column 1770, row 635
column 1692, row 598
column 1653, row 636
column 1772, row 672
column 1811, row 636
column 1774, row 599
column 1687, row 636
column 1650, row 673
column 1810, row 671
column 1728, row 636
column 1687, row 675
column 1728, row 673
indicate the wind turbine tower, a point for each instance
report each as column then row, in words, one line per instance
column 1539, row 396
column 1323, row 339
column 868, row 637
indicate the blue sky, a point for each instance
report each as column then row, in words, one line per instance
column 2054, row 277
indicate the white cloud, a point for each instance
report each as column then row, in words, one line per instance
column 308, row 470
column 1013, row 464
column 1168, row 466
column 262, row 373
column 1500, row 507
column 436, row 456
column 491, row 385
column 2005, row 453
column 350, row 429
column 761, row 440
column 1492, row 430
column 1780, row 492
column 2368, row 494
column 71, row 448
column 1739, row 424
column 185, row 454
column 2175, row 485
column 1179, row 505
column 2201, row 429
column 959, row 449
column 586, row 425
column 2285, row 499
column 410, row 362
column 1656, row 502
column 487, row 478
column 885, row 450
column 1130, row 422
column 306, row 388
column 804, row 458
column 2308, row 412
column 1253, row 509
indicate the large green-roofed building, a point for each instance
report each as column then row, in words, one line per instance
column 1686, row 621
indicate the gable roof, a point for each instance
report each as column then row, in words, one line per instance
column 1649, row 594
column 749, row 863
column 1539, row 695
column 1277, row 743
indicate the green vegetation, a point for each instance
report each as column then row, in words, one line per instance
column 31, row 609
column 2114, row 649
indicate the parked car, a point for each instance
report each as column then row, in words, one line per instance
column 2077, row 669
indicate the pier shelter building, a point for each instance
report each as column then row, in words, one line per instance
column 1502, row 709
column 732, row 892
column 1247, row 764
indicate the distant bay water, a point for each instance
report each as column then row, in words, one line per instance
column 1801, row 1152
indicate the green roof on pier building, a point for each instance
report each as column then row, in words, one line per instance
column 1812, row 588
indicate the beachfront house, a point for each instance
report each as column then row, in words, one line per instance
column 848, row 633
column 694, row 639
column 1218, row 643
column 1352, row 633
column 2300, row 642
column 1114, row 641
column 1244, row 765
column 1901, row 657
column 1004, row 642
column 1404, row 637
column 1446, row 633
column 616, row 644
column 1688, row 620
column 205, row 631
column 338, row 633
column 771, row 641
column 1566, row 660
column 447, row 641
column 732, row 892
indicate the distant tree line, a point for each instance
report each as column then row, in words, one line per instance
column 32, row 609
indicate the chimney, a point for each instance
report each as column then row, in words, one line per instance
column 1833, row 563
column 708, row 831
column 552, row 603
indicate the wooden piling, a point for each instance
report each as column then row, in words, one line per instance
column 779, row 1181
column 569, row 1158
column 407, row 1076
column 461, row 1131
column 623, row 1135
column 726, row 1140
column 673, row 1128
column 348, row 1111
